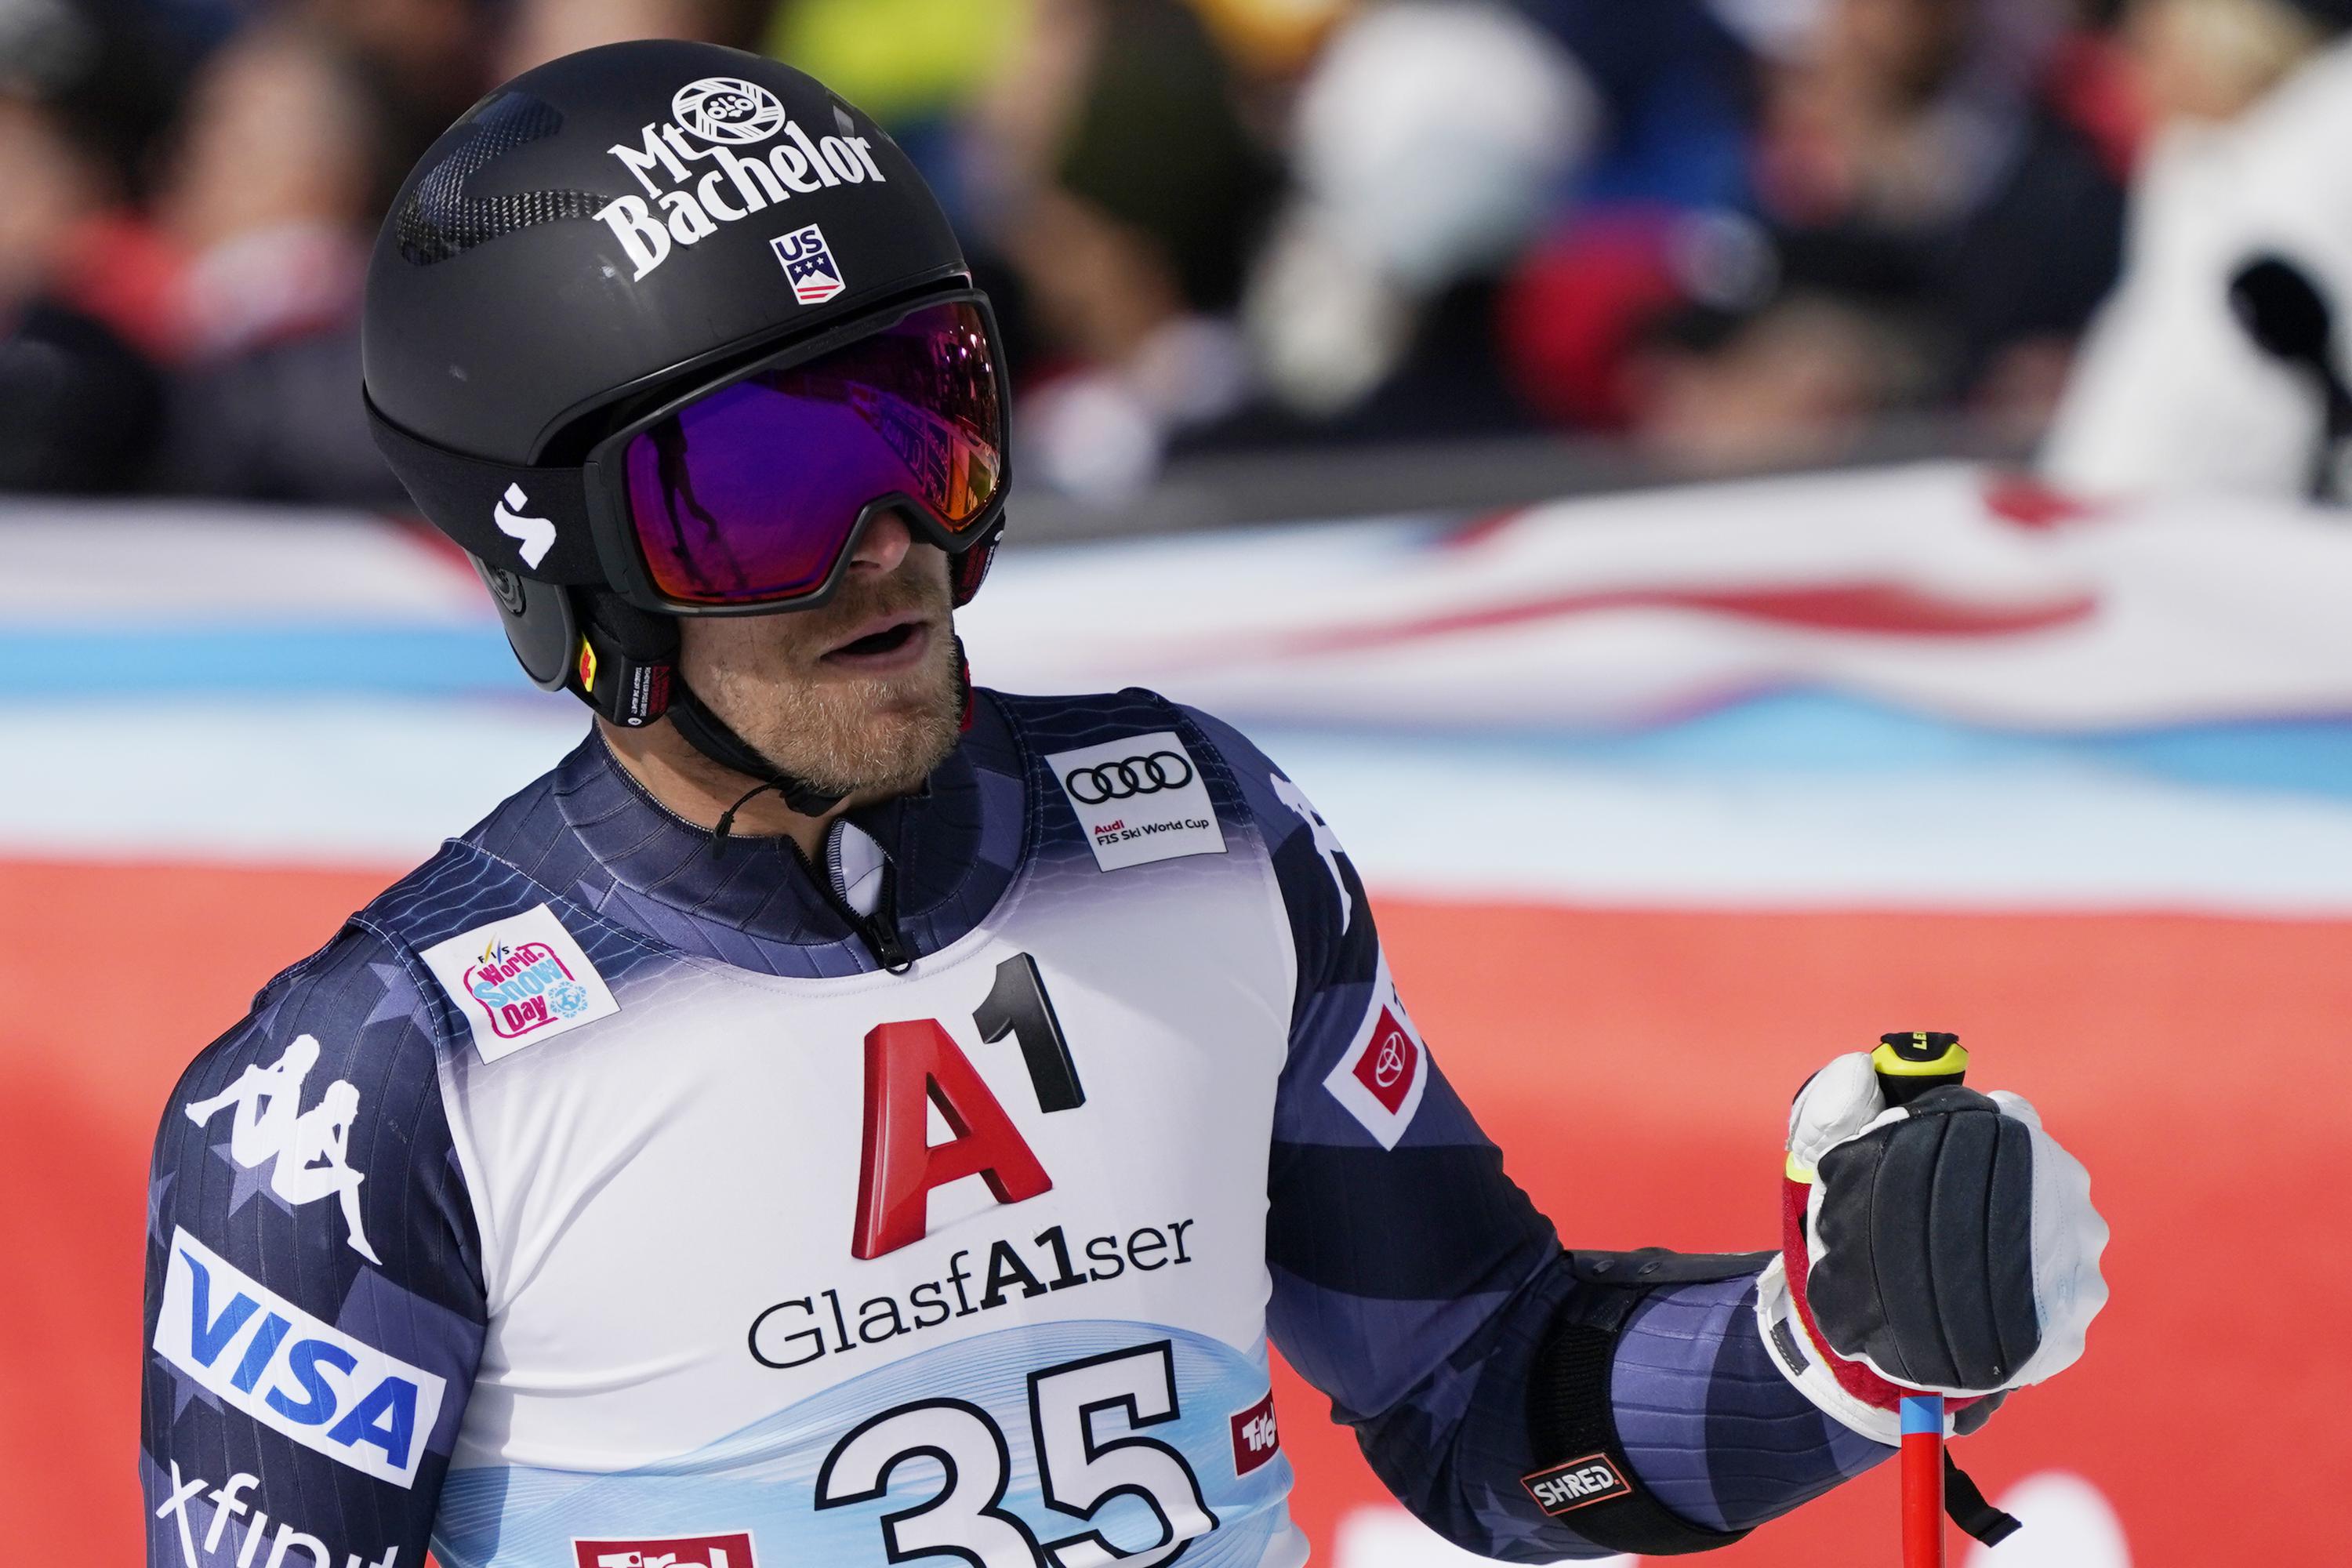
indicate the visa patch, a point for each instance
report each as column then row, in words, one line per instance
column 1139, row 800
column 257, row 1351
column 1381, row 1075
column 519, row 980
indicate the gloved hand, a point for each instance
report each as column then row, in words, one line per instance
column 1947, row 1246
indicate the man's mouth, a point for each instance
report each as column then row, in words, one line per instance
column 886, row 643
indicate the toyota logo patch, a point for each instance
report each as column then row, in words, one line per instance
column 1127, row 777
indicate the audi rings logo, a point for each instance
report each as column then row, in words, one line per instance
column 727, row 108
column 1131, row 776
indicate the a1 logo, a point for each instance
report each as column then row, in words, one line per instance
column 914, row 1064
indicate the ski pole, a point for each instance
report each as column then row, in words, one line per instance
column 1909, row 1064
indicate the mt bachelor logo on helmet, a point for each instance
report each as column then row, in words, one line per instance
column 710, row 119
column 727, row 108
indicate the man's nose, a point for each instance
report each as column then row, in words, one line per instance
column 884, row 544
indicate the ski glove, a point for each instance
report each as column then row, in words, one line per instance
column 1947, row 1246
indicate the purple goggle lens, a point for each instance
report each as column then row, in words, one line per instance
column 750, row 495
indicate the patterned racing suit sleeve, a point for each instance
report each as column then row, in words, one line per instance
column 314, row 1304
column 1417, row 1286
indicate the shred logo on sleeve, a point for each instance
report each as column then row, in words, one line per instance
column 1139, row 799
column 1579, row 1483
column 308, row 1152
column 733, row 1550
column 308, row 1380
column 1380, row 1076
column 518, row 981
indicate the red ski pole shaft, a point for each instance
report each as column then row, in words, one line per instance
column 1923, row 1480
column 1909, row 1064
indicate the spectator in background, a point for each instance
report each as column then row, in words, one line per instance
column 1934, row 230
column 540, row 31
column 1129, row 196
column 271, row 196
column 424, row 60
column 1427, row 145
column 2252, row 155
column 915, row 65
column 85, row 317
column 276, row 226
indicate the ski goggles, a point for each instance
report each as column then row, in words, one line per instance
column 752, row 494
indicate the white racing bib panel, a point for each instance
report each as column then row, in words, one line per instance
column 968, row 1260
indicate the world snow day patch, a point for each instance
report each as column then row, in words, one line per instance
column 519, row 980
column 1139, row 799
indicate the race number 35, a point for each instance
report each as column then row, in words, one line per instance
column 1080, row 1466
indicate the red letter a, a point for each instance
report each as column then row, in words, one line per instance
column 908, row 1064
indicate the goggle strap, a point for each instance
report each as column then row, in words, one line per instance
column 531, row 521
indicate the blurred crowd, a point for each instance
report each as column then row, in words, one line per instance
column 1733, row 232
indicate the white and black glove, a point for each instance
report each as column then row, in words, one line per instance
column 1946, row 1246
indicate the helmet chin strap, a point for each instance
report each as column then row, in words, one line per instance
column 707, row 732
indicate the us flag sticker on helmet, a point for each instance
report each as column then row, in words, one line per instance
column 809, row 263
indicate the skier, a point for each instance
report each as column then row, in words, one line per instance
column 842, row 1116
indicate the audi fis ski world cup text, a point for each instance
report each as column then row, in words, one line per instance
column 684, row 202
column 1141, row 800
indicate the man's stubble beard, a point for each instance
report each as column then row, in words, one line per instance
column 865, row 737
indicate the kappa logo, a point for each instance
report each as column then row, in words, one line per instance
column 533, row 536
column 1579, row 1483
column 518, row 981
column 249, row 1346
column 308, row 1152
column 229, row 1502
column 1327, row 843
column 709, row 119
column 809, row 263
column 733, row 1550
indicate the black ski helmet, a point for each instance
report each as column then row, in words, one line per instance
column 594, row 236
